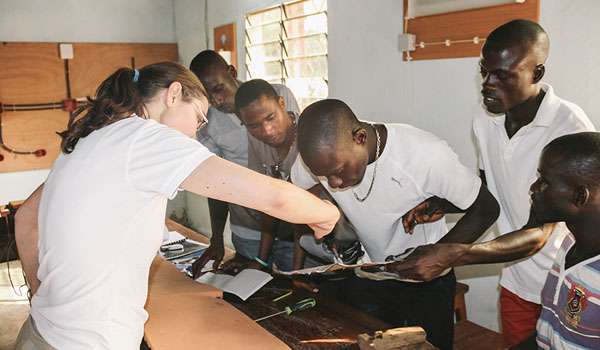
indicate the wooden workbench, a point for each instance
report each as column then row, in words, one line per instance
column 329, row 325
column 184, row 314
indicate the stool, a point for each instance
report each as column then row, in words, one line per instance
column 460, row 307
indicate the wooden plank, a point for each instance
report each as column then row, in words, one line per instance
column 34, row 73
column 198, row 237
column 165, row 279
column 29, row 131
column 183, row 313
column 187, row 321
column 146, row 54
column 94, row 62
column 225, row 40
column 463, row 25
column 331, row 324
column 31, row 73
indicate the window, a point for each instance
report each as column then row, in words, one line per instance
column 287, row 44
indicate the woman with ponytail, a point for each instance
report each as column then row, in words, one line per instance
column 87, row 236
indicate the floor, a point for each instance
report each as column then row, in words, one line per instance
column 14, row 307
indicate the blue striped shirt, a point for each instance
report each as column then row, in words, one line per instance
column 570, row 317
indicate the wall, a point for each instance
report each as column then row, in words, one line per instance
column 78, row 21
column 87, row 20
column 189, row 28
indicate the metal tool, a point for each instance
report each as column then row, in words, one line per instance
column 299, row 306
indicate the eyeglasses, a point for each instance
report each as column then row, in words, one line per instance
column 202, row 124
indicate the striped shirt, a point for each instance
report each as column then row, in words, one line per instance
column 570, row 317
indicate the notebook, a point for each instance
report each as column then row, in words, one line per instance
column 190, row 248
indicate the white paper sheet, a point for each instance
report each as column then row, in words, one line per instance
column 244, row 284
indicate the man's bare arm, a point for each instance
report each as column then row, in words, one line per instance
column 429, row 261
column 478, row 217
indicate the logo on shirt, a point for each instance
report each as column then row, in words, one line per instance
column 576, row 303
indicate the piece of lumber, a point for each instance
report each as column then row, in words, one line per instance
column 403, row 338
column 188, row 321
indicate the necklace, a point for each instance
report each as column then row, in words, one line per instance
column 374, row 170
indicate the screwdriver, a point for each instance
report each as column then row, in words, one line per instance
column 299, row 306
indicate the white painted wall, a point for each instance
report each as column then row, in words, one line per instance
column 87, row 20
column 78, row 21
column 189, row 28
column 366, row 70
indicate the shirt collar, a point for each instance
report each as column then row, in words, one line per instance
column 546, row 112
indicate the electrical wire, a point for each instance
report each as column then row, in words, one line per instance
column 4, row 146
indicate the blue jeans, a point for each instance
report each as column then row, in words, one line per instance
column 282, row 253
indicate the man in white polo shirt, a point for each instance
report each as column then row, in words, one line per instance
column 376, row 173
column 527, row 116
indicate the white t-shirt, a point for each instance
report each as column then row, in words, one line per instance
column 510, row 167
column 414, row 166
column 101, row 220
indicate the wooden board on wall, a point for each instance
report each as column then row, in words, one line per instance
column 29, row 131
column 225, row 40
column 34, row 73
column 146, row 54
column 31, row 73
column 463, row 25
column 94, row 62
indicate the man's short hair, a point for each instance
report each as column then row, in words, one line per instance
column 321, row 124
column 517, row 31
column 579, row 156
column 251, row 91
column 206, row 60
column 524, row 33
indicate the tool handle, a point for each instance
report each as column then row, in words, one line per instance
column 301, row 305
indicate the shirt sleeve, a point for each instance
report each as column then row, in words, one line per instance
column 204, row 138
column 161, row 158
column 288, row 96
column 254, row 162
column 478, row 146
column 448, row 178
column 574, row 122
column 301, row 175
column 209, row 143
